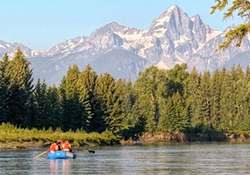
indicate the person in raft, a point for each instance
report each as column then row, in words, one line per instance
column 60, row 145
column 53, row 147
column 66, row 146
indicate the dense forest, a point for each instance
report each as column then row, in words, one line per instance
column 158, row 101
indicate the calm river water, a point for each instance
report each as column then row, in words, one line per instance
column 195, row 158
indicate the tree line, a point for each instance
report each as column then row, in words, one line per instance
column 159, row 100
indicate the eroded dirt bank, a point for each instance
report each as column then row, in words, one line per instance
column 188, row 137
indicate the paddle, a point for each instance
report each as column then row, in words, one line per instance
column 90, row 151
column 40, row 154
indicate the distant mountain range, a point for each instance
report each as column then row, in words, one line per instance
column 171, row 39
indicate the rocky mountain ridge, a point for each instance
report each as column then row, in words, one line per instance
column 172, row 38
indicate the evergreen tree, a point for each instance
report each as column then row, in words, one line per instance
column 125, row 98
column 134, row 124
column 192, row 93
column 108, row 95
column 55, row 119
column 41, row 106
column 176, row 77
column 4, row 84
column 246, row 101
column 175, row 118
column 151, row 86
column 19, row 72
column 20, row 89
column 174, row 88
column 239, row 82
column 204, row 101
column 71, row 108
column 227, row 102
column 86, row 87
column 216, row 83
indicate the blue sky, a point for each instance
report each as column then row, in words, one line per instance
column 42, row 24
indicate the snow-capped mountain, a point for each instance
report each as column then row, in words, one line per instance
column 172, row 38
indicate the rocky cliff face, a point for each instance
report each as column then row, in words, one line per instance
column 172, row 38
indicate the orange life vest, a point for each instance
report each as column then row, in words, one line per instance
column 61, row 145
column 53, row 147
column 66, row 146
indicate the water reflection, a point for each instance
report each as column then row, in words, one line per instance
column 133, row 160
column 60, row 166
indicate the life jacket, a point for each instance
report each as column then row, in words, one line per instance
column 53, row 147
column 66, row 147
column 61, row 145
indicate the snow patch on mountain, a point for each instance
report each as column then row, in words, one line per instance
column 172, row 38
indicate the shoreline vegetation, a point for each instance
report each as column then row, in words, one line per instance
column 90, row 109
column 12, row 137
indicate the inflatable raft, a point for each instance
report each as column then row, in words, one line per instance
column 62, row 155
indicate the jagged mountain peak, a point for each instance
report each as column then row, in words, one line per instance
column 173, row 16
column 173, row 9
column 107, row 29
column 66, row 45
column 171, row 39
column 9, row 48
column 196, row 18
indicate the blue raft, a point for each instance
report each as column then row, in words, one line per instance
column 62, row 155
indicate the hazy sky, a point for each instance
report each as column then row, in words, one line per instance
column 42, row 24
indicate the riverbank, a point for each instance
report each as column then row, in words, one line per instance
column 46, row 142
column 147, row 138
column 12, row 137
column 189, row 137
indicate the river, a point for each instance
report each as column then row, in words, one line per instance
column 194, row 158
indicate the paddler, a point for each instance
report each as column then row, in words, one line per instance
column 60, row 145
column 53, row 147
column 66, row 146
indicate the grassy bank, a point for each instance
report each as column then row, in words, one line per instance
column 14, row 137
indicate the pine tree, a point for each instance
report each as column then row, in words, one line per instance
column 71, row 108
column 4, row 84
column 41, row 105
column 192, row 93
column 86, row 86
column 176, row 77
column 108, row 95
column 216, row 84
column 151, row 86
column 246, row 101
column 227, row 102
column 55, row 119
column 134, row 124
column 175, row 118
column 19, row 72
column 20, row 89
column 239, row 82
column 204, row 101
column 124, row 105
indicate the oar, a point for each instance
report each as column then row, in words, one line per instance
column 90, row 151
column 40, row 154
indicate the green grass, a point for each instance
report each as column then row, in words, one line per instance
column 11, row 135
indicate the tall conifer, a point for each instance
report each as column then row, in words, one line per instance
column 20, row 89
column 4, row 84
column 192, row 93
column 72, row 110
column 151, row 86
column 86, row 86
column 108, row 95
